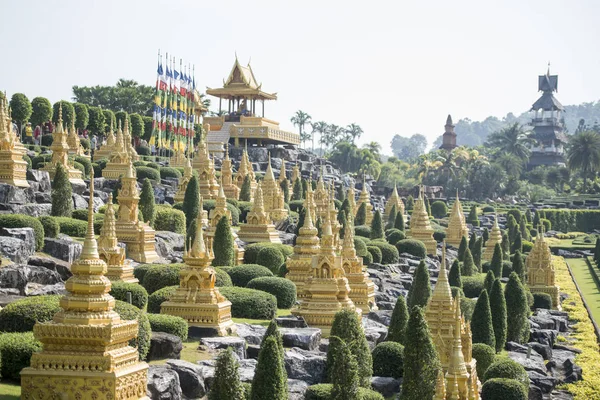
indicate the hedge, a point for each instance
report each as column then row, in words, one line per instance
column 363, row 230
column 271, row 258
column 395, row 236
column 169, row 219
column 16, row 350
column 473, row 285
column 87, row 164
column 439, row 209
column 139, row 295
column 367, row 259
column 484, row 355
column 389, row 253
column 21, row 315
column 250, row 303
column 283, row 289
column 244, row 273
column 251, row 251
column 160, row 296
column 147, row 172
column 71, row 226
column 140, row 271
column 503, row 389
column 507, row 369
column 322, row 391
column 51, row 227
column 388, row 360
column 573, row 220
column 169, row 172
column 38, row 161
column 375, row 253
column 169, row 324
column 25, row 221
column 129, row 312
column 413, row 247
column 159, row 276
column 542, row 300
column 222, row 277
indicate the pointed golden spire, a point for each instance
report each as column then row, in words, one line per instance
column 130, row 170
column 259, row 204
column 90, row 246
column 441, row 291
column 108, row 235
column 198, row 249
column 227, row 151
column 269, row 173
column 308, row 222
column 454, row 391
column 440, row 386
column 457, row 366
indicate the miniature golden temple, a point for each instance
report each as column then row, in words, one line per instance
column 85, row 353
column 258, row 226
column 541, row 276
column 232, row 191
column 183, row 182
column 18, row 146
column 273, row 196
column 207, row 177
column 137, row 235
column 75, row 147
column 321, row 198
column 420, row 226
column 13, row 168
column 246, row 169
column 457, row 225
column 365, row 197
column 119, row 158
column 106, row 150
column 215, row 216
column 197, row 300
column 394, row 200
column 495, row 237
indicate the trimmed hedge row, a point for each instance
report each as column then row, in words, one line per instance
column 322, row 391
column 389, row 253
column 139, row 295
column 573, row 220
column 250, row 303
column 169, row 324
column 25, row 221
column 21, row 315
column 251, row 251
column 51, row 227
column 413, row 247
column 72, row 226
column 129, row 312
column 242, row 274
column 159, row 297
column 283, row 289
column 159, row 276
column 16, row 350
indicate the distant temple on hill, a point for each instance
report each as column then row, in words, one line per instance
column 449, row 136
column 241, row 119
column 548, row 125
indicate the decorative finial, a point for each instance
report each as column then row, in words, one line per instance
column 90, row 246
column 60, row 119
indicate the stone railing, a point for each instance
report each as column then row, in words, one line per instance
column 263, row 132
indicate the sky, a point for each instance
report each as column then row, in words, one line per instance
column 392, row 67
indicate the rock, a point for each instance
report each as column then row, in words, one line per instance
column 374, row 332
column 190, row 377
column 324, row 345
column 564, row 368
column 43, row 197
column 305, row 365
column 164, row 345
column 14, row 249
column 34, row 210
column 79, row 202
column 543, row 336
column 36, row 289
column 286, row 238
column 543, row 322
column 42, row 178
column 246, row 370
column 304, row 338
column 168, row 243
column 296, row 389
column 10, row 194
column 544, row 382
column 535, row 362
column 535, row 393
column 542, row 349
column 66, row 250
column 252, row 334
column 163, row 383
column 25, row 234
column 386, row 386
column 252, row 351
column 258, row 154
column 53, row 264
column 381, row 316
column 18, row 276
column 79, row 188
column 291, row 321
column 237, row 344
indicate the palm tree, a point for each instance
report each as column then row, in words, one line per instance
column 354, row 131
column 511, row 164
column 512, row 140
column 300, row 119
column 321, row 128
column 374, row 148
column 427, row 163
column 583, row 153
column 333, row 134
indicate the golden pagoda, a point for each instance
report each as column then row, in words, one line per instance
column 282, row 173
column 13, row 169
column 215, row 216
column 321, row 198
column 207, row 178
column 258, row 226
column 18, row 146
column 133, row 155
column 351, row 196
column 119, row 268
column 326, row 289
column 245, row 169
column 452, row 338
column 457, row 225
column 332, row 215
column 119, row 160
column 273, row 196
column 495, row 237
column 183, row 181
column 60, row 153
column 137, row 235
column 197, row 300
column 365, row 197
column 85, row 353
column 540, row 270
column 310, row 197
column 299, row 264
column 295, row 174
column 362, row 289
column 178, row 159
column 75, row 147
column 232, row 191
column 420, row 227
column 106, row 150
column 394, row 200
column 440, row 386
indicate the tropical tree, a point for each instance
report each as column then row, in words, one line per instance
column 512, row 140
column 321, row 128
column 301, row 119
column 20, row 109
column 82, row 116
column 353, row 132
column 41, row 111
column 583, row 154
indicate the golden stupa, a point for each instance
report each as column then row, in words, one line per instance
column 258, row 226
column 295, row 174
column 215, row 216
column 495, row 237
column 178, row 159
column 119, row 268
column 282, row 173
column 245, row 169
column 85, row 353
column 420, row 227
column 365, row 198
column 312, row 205
column 18, row 146
column 128, row 143
column 197, row 300
column 137, row 235
column 321, row 198
column 75, row 147
column 326, row 288
column 541, row 276
column 362, row 289
column 106, row 150
column 394, row 200
column 119, row 158
column 452, row 338
column 232, row 191
column 183, row 181
column 60, row 153
column 440, row 386
column 332, row 215
column 299, row 264
column 351, row 196
column 457, row 224
column 207, row 178
column 13, row 169
column 273, row 196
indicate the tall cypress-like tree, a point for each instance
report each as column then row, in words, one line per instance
column 427, row 206
column 285, row 188
column 481, row 321
column 346, row 207
column 226, row 384
column 62, row 194
column 410, row 203
column 485, row 235
column 473, row 219
column 517, row 310
column 537, row 220
column 421, row 362
column 304, row 188
column 518, row 243
column 505, row 245
column 319, row 225
column 223, row 244
column 512, row 226
column 399, row 222
column 525, row 235
column 420, row 290
column 472, row 240
column 454, row 277
column 344, row 370
column 377, row 226
column 191, row 200
column 498, row 308
column 361, row 215
column 339, row 193
column 246, row 189
column 477, row 253
column 273, row 331
column 496, row 264
column 462, row 247
column 597, row 251
column 391, row 218
column 341, row 218
column 488, row 282
column 398, row 321
column 518, row 266
column 147, row 202
column 297, row 193
column 270, row 377
column 300, row 223
column 468, row 265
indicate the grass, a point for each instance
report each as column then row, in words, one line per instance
column 567, row 244
column 587, row 284
column 190, row 352
column 10, row 391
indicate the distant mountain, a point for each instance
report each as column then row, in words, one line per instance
column 475, row 133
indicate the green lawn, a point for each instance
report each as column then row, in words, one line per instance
column 10, row 391
column 588, row 286
column 567, row 244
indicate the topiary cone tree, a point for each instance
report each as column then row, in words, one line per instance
column 377, row 226
column 191, row 200
column 297, row 193
column 62, row 193
column 472, row 218
column 391, row 218
column 489, row 281
column 223, row 244
column 518, row 266
column 496, row 263
column 468, row 266
column 498, row 308
column 517, row 243
column 270, row 378
column 398, row 321
column 399, row 222
column 147, row 202
column 454, row 276
column 517, row 310
column 477, row 253
column 344, row 370
column 464, row 245
column 226, row 384
column 420, row 290
column 361, row 215
column 481, row 321
column 245, row 194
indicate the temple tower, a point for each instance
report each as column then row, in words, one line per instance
column 295, row 174
column 495, row 237
column 245, row 169
column 321, row 198
column 365, row 198
column 183, row 181
column 75, row 147
column 197, row 300
column 394, row 200
column 420, row 226
column 449, row 136
column 282, row 173
column 457, row 224
column 258, row 226
column 232, row 191
column 207, row 178
column 215, row 216
column 310, row 201
column 351, row 196
column 13, row 169
column 128, row 144
column 19, row 147
column 273, row 196
column 541, row 276
column 106, row 150
column 85, row 353
column 118, row 163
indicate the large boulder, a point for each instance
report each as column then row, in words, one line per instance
column 63, row 249
column 10, row 194
column 14, row 249
column 18, row 276
column 190, row 376
column 388, row 387
column 383, row 317
column 163, row 383
column 544, row 382
column 252, row 334
column 79, row 202
column 296, row 389
column 167, row 243
column 246, row 370
column 535, row 362
column 53, row 264
column 36, row 289
column 32, row 209
column 563, row 367
column 26, row 235
column 304, row 338
column 237, row 344
column 305, row 365
column 164, row 345
column 42, row 178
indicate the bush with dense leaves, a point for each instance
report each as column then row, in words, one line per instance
column 142, row 341
column 169, row 172
column 51, row 227
column 439, row 209
column 508, row 369
column 363, row 231
column 16, row 350
column 503, row 389
column 413, row 247
column 527, row 246
column 542, row 300
column 169, row 219
column 147, row 172
column 244, row 273
column 283, row 289
column 322, row 391
column 375, row 253
column 143, row 150
column 71, row 226
column 250, row 303
column 271, row 258
column 388, row 359
column 139, row 295
column 159, row 297
column 169, row 324
column 394, row 235
column 472, row 285
column 251, row 251
column 389, row 253
column 22, row 315
column 488, row 209
column 159, row 276
column 485, row 356
column 222, row 277
column 208, row 205
column 25, row 221
column 140, row 271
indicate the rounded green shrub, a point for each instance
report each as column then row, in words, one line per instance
column 129, row 312
column 439, row 209
column 375, row 253
column 169, row 219
column 484, row 355
column 271, row 258
column 22, row 315
column 147, row 172
column 38, row 162
column 169, row 324
column 244, row 273
column 16, row 350
column 283, row 289
column 250, row 303
column 140, row 163
column 413, row 247
column 87, row 164
column 488, row 209
column 51, row 227
column 507, row 369
column 140, row 271
column 388, row 360
column 159, row 276
column 389, row 253
column 473, row 285
column 395, row 236
column 222, row 277
column 169, row 172
column 439, row 236
column 542, row 300
column 159, row 297
column 322, row 391
column 360, row 247
column 363, row 230
column 251, row 251
column 80, row 167
column 81, row 214
column 503, row 389
column 139, row 295
column 71, row 226
column 25, row 221
column 527, row 246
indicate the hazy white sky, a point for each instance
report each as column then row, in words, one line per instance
column 389, row 66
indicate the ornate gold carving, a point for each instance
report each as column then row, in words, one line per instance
column 258, row 226
column 457, row 225
column 273, row 196
column 540, row 270
column 420, row 227
column 394, row 200
column 495, row 237
column 204, row 164
column 13, row 169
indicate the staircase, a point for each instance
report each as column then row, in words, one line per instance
column 216, row 139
